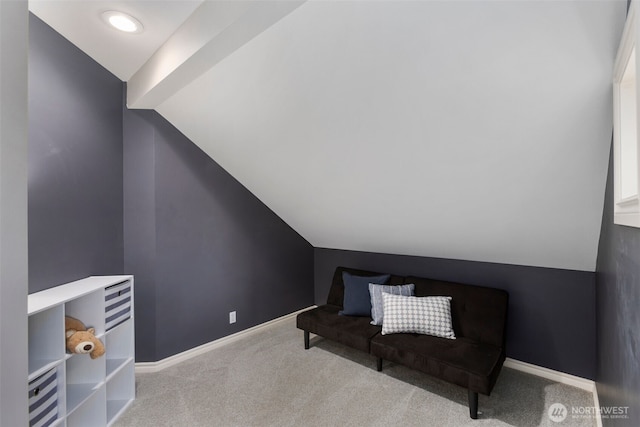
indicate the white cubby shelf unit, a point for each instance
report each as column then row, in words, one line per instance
column 74, row 390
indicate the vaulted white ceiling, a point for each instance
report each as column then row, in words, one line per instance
column 80, row 21
column 475, row 130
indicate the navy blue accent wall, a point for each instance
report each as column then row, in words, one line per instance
column 618, row 314
column 201, row 244
column 75, row 163
column 551, row 312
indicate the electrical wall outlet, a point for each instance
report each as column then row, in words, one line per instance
column 232, row 317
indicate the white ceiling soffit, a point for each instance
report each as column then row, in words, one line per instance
column 80, row 22
column 472, row 130
column 215, row 30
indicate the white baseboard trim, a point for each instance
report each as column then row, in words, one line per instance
column 560, row 377
column 596, row 404
column 550, row 374
column 151, row 367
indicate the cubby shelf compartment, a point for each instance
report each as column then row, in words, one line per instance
column 120, row 391
column 114, row 366
column 93, row 412
column 90, row 392
column 46, row 345
column 77, row 394
column 45, row 398
column 84, row 309
column 119, row 343
column 84, row 377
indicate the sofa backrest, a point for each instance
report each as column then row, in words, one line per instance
column 336, row 292
column 478, row 313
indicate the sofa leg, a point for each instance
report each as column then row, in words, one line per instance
column 473, row 405
column 379, row 364
column 306, row 340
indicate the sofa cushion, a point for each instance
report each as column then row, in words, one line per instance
column 477, row 312
column 375, row 291
column 462, row 361
column 357, row 300
column 353, row 331
column 336, row 292
column 421, row 315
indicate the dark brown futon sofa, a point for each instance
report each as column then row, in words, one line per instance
column 472, row 360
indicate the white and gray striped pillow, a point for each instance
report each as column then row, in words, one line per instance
column 419, row 315
column 377, row 312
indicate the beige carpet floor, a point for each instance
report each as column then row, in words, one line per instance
column 268, row 379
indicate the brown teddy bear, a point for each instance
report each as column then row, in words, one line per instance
column 82, row 340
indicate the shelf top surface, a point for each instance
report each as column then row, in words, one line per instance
column 60, row 294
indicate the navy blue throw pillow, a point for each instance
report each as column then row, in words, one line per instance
column 357, row 300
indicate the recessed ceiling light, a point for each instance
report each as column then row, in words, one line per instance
column 122, row 21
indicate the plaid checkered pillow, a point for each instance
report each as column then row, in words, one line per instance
column 420, row 315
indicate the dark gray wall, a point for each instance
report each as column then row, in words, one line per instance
column 75, row 163
column 202, row 244
column 140, row 226
column 551, row 312
column 113, row 191
column 618, row 314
